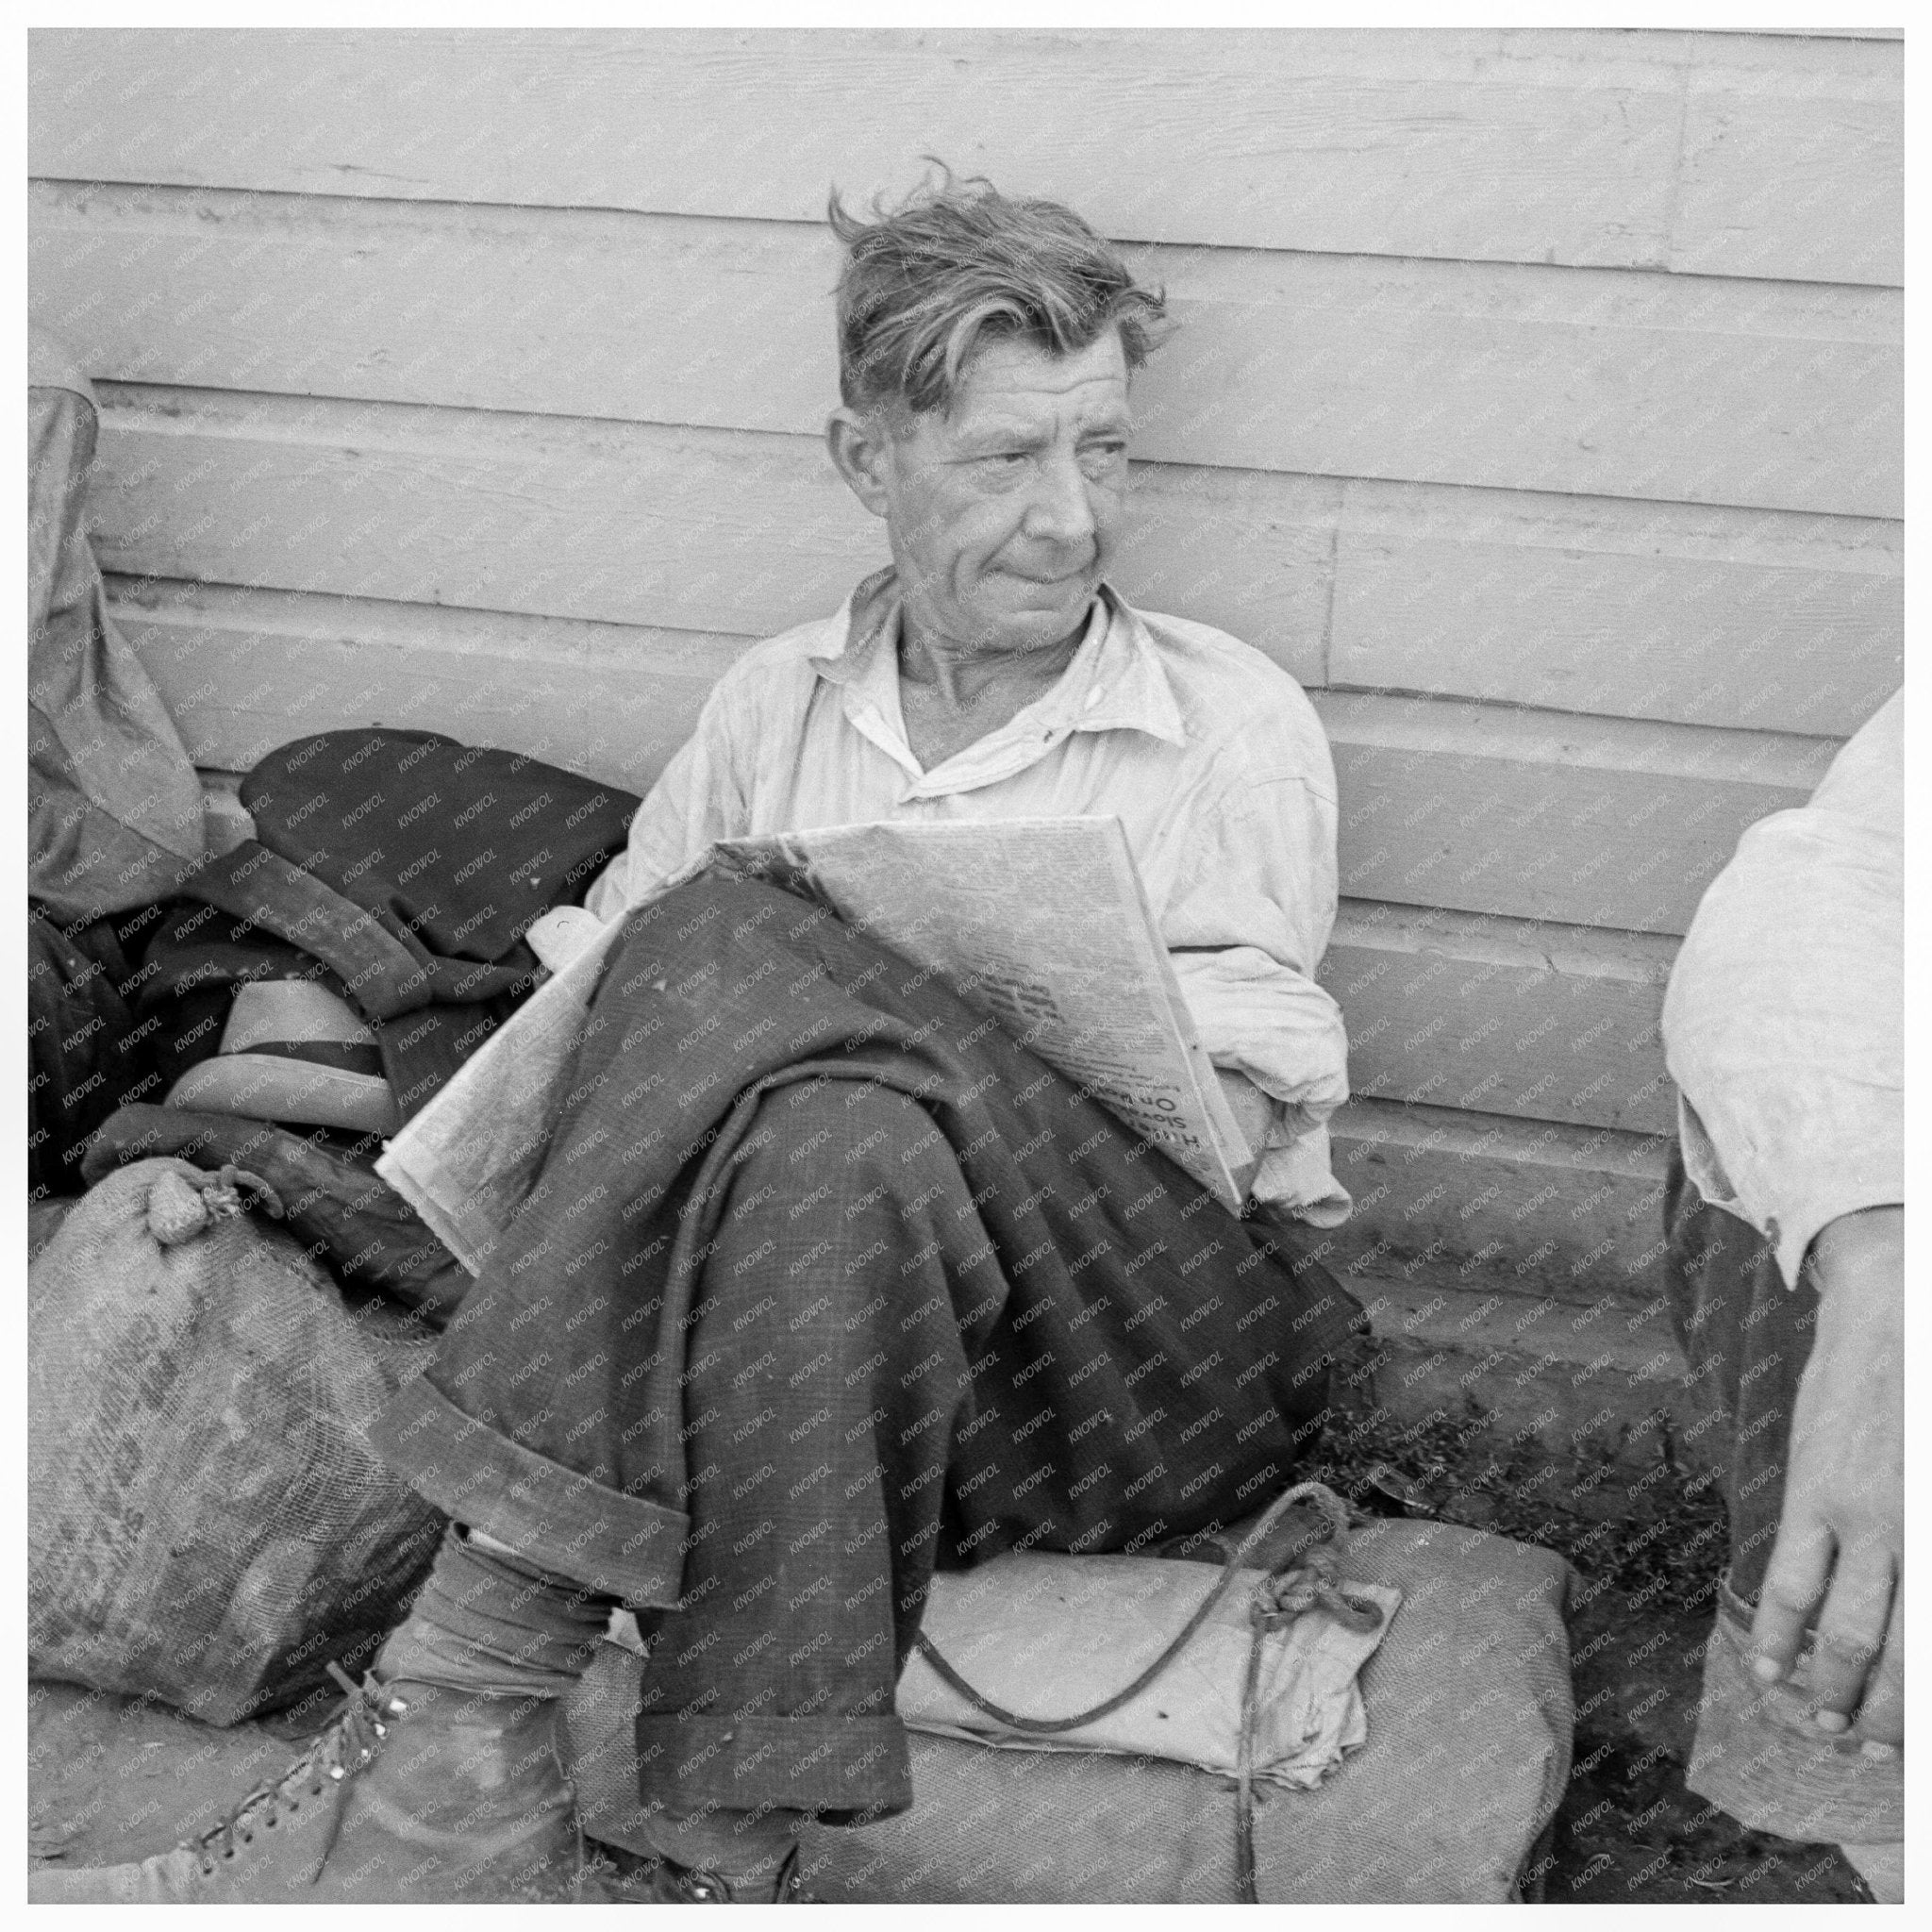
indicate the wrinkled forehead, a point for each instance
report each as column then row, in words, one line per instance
column 1018, row 383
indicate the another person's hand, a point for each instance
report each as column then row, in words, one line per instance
column 1841, row 1539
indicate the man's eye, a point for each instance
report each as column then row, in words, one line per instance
column 1004, row 459
column 1104, row 456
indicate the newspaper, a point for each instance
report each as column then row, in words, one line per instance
column 1044, row 926
column 471, row 1159
column 1039, row 924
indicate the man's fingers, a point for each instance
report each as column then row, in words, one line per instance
column 1882, row 1716
column 1850, row 1633
column 1793, row 1581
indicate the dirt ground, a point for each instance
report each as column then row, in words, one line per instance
column 1628, row 1829
column 112, row 1778
column 1648, row 1546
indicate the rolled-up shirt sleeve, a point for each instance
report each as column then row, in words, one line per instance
column 1246, row 929
column 1783, row 1018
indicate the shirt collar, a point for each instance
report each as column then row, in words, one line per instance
column 1115, row 682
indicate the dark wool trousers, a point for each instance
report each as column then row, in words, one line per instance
column 939, row 1306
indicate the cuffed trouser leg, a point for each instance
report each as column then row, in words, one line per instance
column 825, row 1378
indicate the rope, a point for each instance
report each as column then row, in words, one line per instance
column 1310, row 1582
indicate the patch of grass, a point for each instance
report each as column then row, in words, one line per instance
column 1664, row 1547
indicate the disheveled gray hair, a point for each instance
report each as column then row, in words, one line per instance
column 958, row 262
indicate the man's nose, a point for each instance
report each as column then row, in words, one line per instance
column 1060, row 509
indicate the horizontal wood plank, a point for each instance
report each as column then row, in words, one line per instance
column 1583, row 381
column 1545, row 1023
column 1520, row 1208
column 1696, row 616
column 1774, row 396
column 1544, row 816
column 1438, row 1311
column 1801, row 171
column 1539, row 147
column 243, row 671
column 543, row 516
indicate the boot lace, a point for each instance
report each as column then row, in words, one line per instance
column 348, row 1745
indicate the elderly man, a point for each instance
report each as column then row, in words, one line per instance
column 826, row 1284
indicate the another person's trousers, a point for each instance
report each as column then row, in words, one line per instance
column 1747, row 1338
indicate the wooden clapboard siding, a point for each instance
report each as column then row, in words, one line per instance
column 615, row 522
column 1786, row 139
column 1776, row 395
column 1498, row 1204
column 1503, row 1016
column 1586, row 381
column 1546, row 815
column 1396, row 586
column 1515, row 1265
column 1626, row 150
column 1641, row 610
column 550, row 516
column 1536, row 405
column 1786, row 621
column 243, row 671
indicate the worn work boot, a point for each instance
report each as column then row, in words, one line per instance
column 413, row 1794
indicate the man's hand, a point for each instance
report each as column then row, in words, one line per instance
column 1840, row 1538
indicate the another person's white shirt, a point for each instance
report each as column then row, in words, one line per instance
column 1784, row 1021
column 1209, row 755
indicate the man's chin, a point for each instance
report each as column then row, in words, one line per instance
column 1040, row 615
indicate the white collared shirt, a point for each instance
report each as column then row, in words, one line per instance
column 1210, row 755
column 1784, row 1021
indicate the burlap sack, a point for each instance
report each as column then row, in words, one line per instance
column 205, row 1521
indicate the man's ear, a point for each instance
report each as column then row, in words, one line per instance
column 860, row 450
